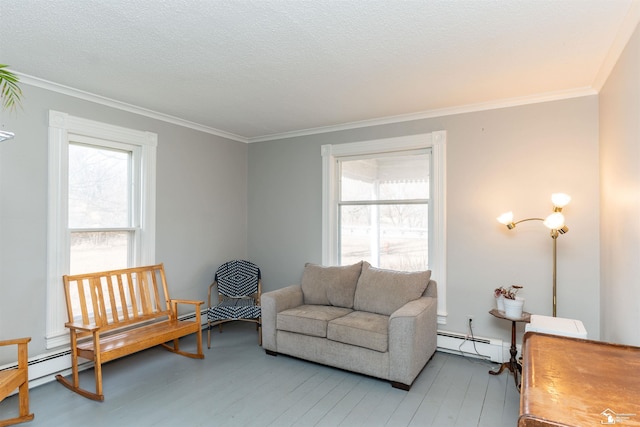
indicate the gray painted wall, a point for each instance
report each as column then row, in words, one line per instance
column 620, row 189
column 219, row 199
column 498, row 160
column 201, row 207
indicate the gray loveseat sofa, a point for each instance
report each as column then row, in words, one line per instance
column 363, row 319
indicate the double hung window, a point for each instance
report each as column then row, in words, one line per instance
column 384, row 202
column 101, row 205
column 383, row 209
column 103, row 224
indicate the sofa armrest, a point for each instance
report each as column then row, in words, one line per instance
column 413, row 330
column 272, row 303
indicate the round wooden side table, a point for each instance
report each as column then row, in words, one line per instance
column 512, row 364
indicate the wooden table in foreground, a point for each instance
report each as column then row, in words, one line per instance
column 576, row 382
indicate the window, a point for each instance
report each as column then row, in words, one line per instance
column 383, row 210
column 101, row 205
column 383, row 202
column 102, row 220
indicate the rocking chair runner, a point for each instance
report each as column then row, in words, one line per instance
column 239, row 286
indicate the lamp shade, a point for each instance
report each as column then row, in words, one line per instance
column 4, row 135
column 560, row 200
column 554, row 221
column 506, row 218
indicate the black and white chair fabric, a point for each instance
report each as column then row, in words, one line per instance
column 239, row 286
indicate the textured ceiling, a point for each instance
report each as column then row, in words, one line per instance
column 258, row 68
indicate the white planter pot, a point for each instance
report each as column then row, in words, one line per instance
column 513, row 308
column 500, row 303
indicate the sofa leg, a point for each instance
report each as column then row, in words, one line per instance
column 270, row 352
column 401, row 386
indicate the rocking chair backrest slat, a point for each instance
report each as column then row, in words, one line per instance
column 112, row 298
column 144, row 294
column 98, row 302
column 123, row 297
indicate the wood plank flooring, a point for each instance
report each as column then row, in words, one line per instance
column 237, row 384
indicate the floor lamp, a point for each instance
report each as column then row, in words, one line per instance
column 555, row 222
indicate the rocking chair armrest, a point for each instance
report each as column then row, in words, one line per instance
column 174, row 306
column 187, row 301
column 89, row 327
column 15, row 341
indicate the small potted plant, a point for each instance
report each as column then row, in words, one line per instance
column 499, row 294
column 513, row 304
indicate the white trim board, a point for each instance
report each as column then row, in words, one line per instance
column 438, row 112
column 113, row 103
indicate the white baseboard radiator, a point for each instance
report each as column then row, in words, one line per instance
column 473, row 346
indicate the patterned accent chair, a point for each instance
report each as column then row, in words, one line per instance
column 239, row 287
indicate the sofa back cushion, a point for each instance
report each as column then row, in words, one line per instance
column 330, row 285
column 384, row 291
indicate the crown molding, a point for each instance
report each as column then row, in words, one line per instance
column 98, row 99
column 626, row 29
column 441, row 112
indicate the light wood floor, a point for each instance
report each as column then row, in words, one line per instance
column 237, row 384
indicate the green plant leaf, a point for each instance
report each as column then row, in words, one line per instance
column 10, row 92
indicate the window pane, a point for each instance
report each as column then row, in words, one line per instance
column 99, row 191
column 99, row 251
column 387, row 236
column 385, row 178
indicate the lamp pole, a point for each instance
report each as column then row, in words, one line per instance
column 554, row 236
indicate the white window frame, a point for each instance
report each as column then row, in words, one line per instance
column 436, row 141
column 62, row 129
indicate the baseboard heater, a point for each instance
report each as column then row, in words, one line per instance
column 190, row 316
column 44, row 367
column 472, row 346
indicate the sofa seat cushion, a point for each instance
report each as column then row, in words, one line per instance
column 309, row 319
column 368, row 330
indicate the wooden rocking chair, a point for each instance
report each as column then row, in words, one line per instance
column 17, row 378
